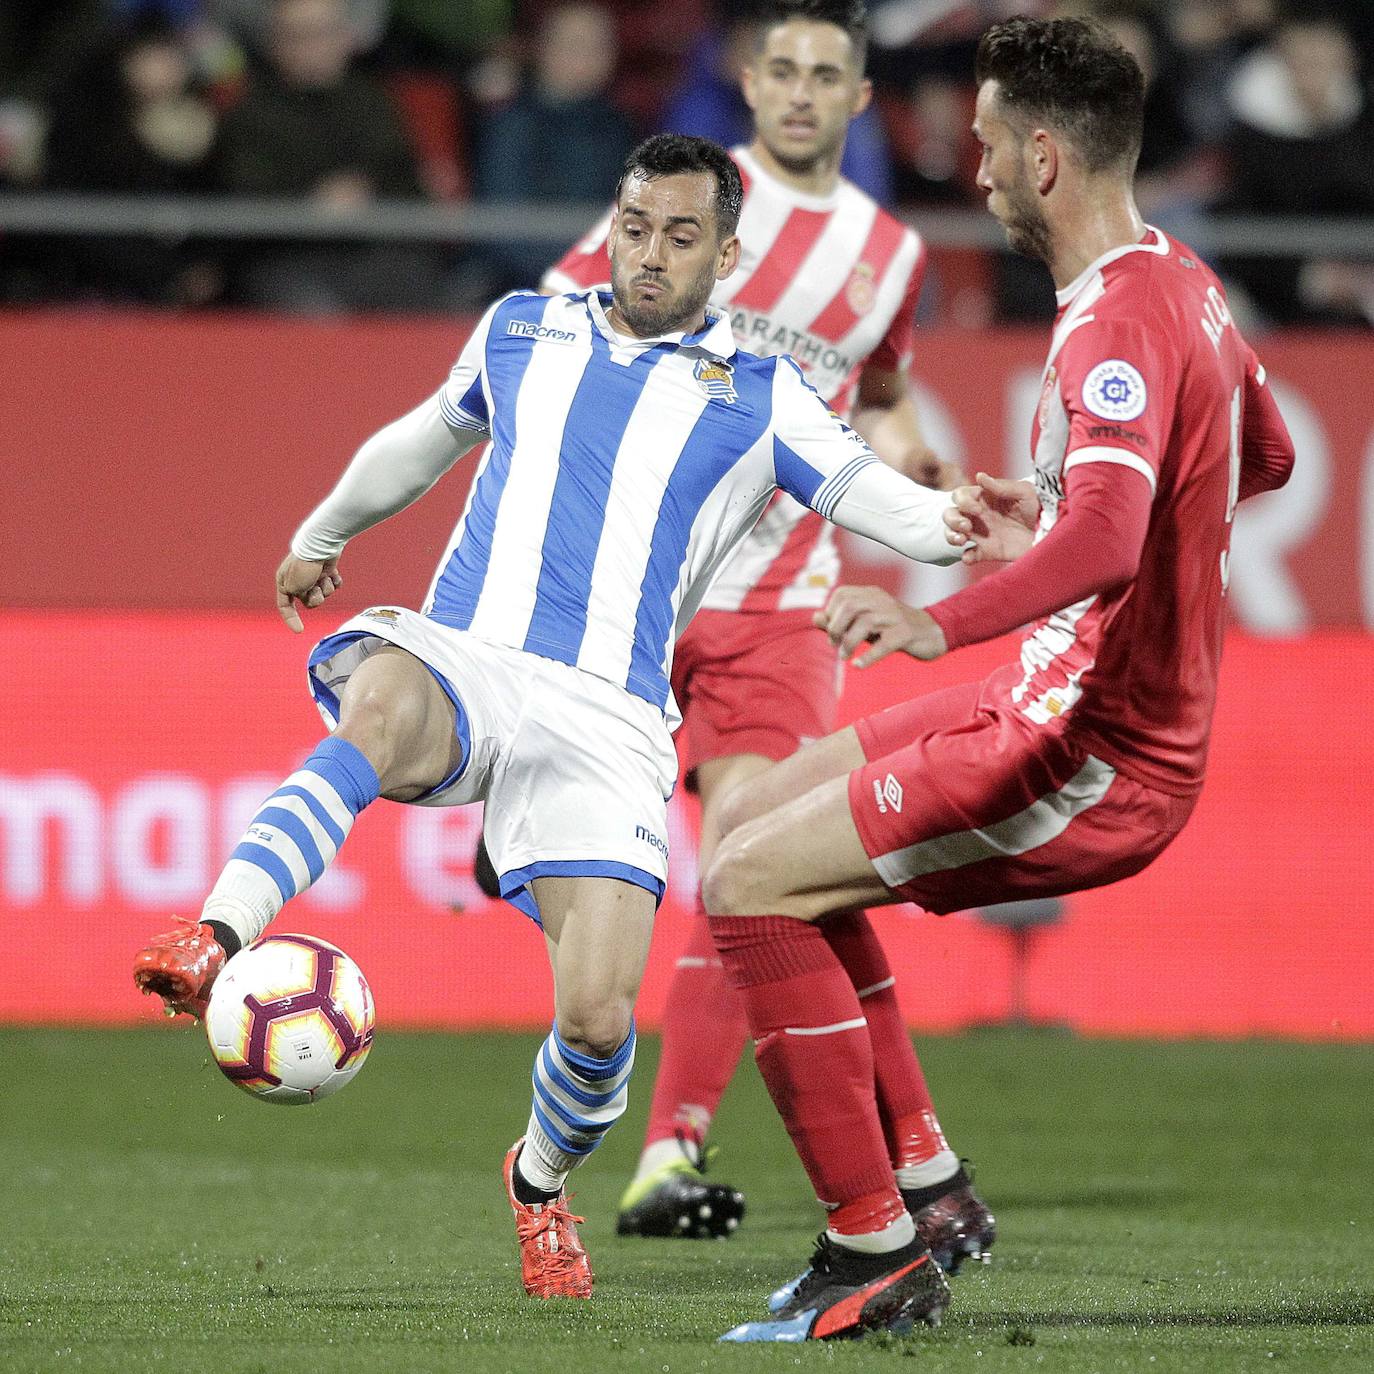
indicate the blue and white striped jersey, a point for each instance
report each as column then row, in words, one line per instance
column 621, row 474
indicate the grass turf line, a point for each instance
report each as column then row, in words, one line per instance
column 1163, row 1207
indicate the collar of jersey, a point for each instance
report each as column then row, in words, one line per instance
column 717, row 338
column 1153, row 242
column 799, row 199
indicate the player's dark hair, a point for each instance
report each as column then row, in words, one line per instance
column 1074, row 77
column 849, row 15
column 667, row 155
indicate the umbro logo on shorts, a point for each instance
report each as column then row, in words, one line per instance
column 888, row 793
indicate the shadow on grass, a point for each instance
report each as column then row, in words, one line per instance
column 1343, row 1311
column 1086, row 1198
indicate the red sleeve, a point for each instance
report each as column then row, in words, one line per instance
column 1266, row 450
column 1118, row 383
column 586, row 263
column 1094, row 547
column 893, row 353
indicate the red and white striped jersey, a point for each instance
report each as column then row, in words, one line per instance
column 831, row 280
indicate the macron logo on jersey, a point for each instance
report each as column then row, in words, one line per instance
column 528, row 329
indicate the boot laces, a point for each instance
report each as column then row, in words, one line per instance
column 552, row 1221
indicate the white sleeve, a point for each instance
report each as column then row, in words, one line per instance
column 465, row 398
column 826, row 465
column 396, row 466
column 883, row 505
column 401, row 462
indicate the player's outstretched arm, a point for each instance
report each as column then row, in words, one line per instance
column 855, row 616
column 394, row 468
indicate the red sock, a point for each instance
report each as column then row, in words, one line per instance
column 908, row 1115
column 813, row 1052
column 704, row 1030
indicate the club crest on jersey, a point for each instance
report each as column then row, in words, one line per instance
column 1114, row 390
column 860, row 291
column 1046, row 394
column 717, row 379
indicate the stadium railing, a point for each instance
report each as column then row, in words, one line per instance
column 80, row 215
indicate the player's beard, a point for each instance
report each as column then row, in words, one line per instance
column 671, row 311
column 804, row 164
column 1024, row 222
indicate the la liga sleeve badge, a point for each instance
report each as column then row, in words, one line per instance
column 1114, row 390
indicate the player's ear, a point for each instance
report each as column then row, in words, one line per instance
column 863, row 98
column 748, row 79
column 1044, row 155
column 727, row 258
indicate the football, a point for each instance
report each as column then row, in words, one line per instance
column 290, row 1019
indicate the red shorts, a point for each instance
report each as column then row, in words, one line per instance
column 756, row 683
column 964, row 804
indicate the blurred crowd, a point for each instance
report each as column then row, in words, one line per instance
column 1254, row 106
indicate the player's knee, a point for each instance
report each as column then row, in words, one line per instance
column 367, row 720
column 595, row 1030
column 725, row 889
column 386, row 712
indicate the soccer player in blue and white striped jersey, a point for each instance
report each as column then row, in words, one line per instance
column 633, row 447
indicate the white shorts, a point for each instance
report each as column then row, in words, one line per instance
column 575, row 771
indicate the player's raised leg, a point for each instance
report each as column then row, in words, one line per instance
column 599, row 931
column 764, row 894
column 395, row 738
column 703, row 1032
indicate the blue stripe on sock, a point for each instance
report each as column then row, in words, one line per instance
column 567, row 1146
column 298, row 833
column 317, row 809
column 587, row 1099
column 576, row 1123
column 597, row 1069
column 261, row 857
column 345, row 768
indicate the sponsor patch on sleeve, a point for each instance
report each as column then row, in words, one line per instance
column 1114, row 390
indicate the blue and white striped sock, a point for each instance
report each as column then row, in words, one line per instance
column 577, row 1099
column 292, row 839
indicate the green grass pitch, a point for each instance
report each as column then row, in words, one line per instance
column 1192, row 1207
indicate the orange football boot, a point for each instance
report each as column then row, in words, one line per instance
column 180, row 967
column 553, row 1263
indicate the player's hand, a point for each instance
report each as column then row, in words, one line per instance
column 310, row 583
column 855, row 616
column 993, row 521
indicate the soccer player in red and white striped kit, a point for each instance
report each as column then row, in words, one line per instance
column 832, row 279
column 1076, row 764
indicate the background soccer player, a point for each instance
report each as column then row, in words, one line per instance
column 829, row 277
column 633, row 447
column 1076, row 765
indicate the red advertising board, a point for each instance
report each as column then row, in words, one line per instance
column 136, row 744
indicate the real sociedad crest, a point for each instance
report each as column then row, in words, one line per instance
column 716, row 378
